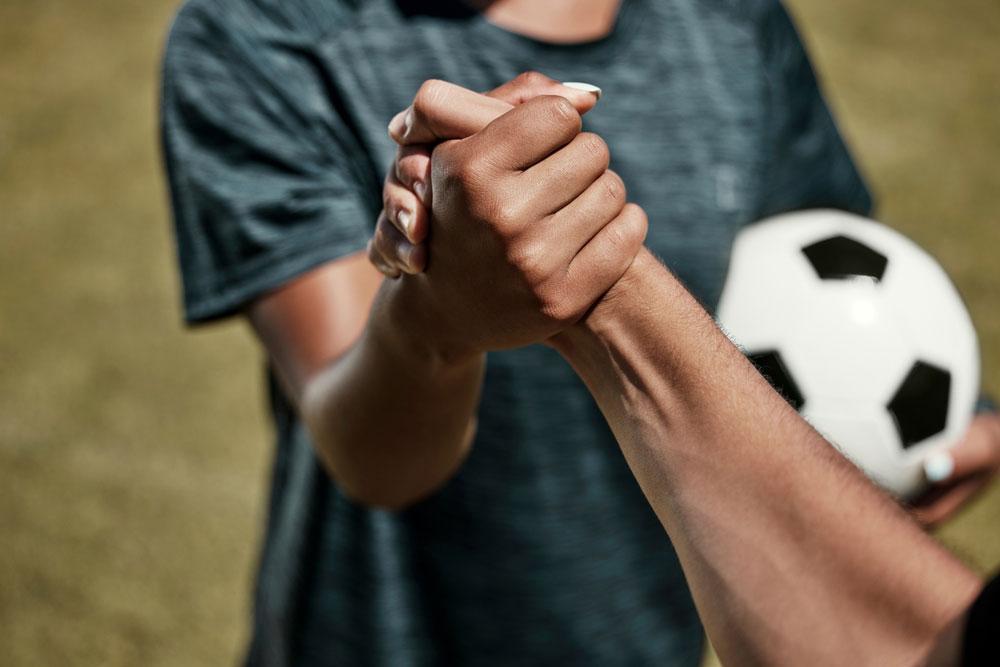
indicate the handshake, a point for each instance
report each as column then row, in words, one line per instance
column 531, row 229
column 779, row 537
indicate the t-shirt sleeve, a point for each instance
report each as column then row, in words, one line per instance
column 807, row 164
column 267, row 180
column 981, row 644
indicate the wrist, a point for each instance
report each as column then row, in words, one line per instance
column 612, row 313
column 403, row 322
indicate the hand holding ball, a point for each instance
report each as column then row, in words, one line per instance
column 862, row 332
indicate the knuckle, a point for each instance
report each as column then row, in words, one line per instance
column 380, row 240
column 387, row 237
column 561, row 109
column 470, row 172
column 408, row 171
column 430, row 91
column 557, row 307
column 429, row 95
column 638, row 215
column 449, row 164
column 595, row 146
column 614, row 187
column 462, row 175
column 505, row 212
column 618, row 236
column 532, row 78
column 632, row 231
column 444, row 154
column 530, row 259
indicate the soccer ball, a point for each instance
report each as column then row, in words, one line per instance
column 862, row 332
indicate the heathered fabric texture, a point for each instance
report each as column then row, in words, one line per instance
column 542, row 550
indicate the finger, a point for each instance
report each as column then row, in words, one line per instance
column 413, row 169
column 529, row 85
column 404, row 210
column 443, row 110
column 395, row 251
column 393, row 248
column 943, row 506
column 579, row 221
column 527, row 134
column 607, row 256
column 376, row 260
column 565, row 175
column 979, row 451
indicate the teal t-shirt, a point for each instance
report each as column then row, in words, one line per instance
column 541, row 550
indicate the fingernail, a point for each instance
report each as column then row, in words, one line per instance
column 421, row 190
column 938, row 467
column 407, row 122
column 400, row 124
column 405, row 252
column 586, row 87
column 405, row 218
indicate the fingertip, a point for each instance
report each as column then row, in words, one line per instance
column 400, row 125
column 406, row 254
column 411, row 258
column 382, row 267
column 584, row 96
column 405, row 219
column 395, row 128
column 418, row 258
column 637, row 224
column 420, row 188
column 939, row 467
column 418, row 231
column 585, row 87
column 412, row 166
column 415, row 224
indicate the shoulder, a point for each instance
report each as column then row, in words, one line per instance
column 250, row 54
column 264, row 17
column 212, row 25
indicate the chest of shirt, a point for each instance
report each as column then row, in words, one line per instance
column 683, row 112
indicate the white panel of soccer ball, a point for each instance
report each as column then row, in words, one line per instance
column 864, row 317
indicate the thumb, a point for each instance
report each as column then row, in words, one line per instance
column 530, row 85
column 442, row 110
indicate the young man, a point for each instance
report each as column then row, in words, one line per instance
column 520, row 535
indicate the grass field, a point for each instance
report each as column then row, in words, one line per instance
column 134, row 454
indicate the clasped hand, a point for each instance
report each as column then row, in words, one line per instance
column 530, row 227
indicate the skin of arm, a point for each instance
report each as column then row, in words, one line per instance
column 360, row 381
column 366, row 360
column 793, row 557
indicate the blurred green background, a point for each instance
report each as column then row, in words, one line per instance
column 134, row 454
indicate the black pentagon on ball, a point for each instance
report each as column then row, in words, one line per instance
column 774, row 370
column 840, row 257
column 920, row 406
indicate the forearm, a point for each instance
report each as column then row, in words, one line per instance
column 792, row 556
column 391, row 419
